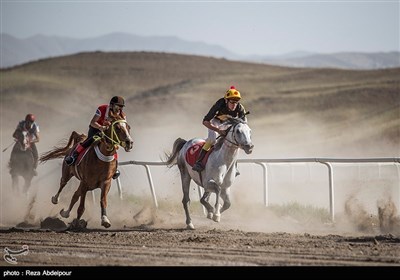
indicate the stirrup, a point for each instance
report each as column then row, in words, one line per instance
column 116, row 174
column 198, row 167
column 69, row 160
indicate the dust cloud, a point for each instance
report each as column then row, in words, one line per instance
column 365, row 199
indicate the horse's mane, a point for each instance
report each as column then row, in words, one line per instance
column 231, row 122
column 115, row 118
column 61, row 151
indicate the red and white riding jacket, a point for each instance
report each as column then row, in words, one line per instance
column 103, row 113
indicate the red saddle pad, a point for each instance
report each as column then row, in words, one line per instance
column 193, row 152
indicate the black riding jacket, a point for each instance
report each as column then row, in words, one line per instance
column 220, row 109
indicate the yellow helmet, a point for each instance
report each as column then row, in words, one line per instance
column 232, row 93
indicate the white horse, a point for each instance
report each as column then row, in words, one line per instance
column 220, row 169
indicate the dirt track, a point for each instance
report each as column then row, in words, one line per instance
column 158, row 238
column 144, row 246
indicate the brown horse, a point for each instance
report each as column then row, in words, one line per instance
column 21, row 161
column 95, row 169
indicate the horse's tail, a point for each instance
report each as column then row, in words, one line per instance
column 59, row 152
column 171, row 158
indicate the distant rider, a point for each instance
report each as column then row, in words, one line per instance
column 32, row 128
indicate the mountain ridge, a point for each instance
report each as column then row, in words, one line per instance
column 19, row 51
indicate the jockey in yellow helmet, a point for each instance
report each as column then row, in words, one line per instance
column 229, row 105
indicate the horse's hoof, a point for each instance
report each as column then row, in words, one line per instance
column 64, row 214
column 54, row 200
column 82, row 223
column 210, row 215
column 216, row 218
column 78, row 224
column 105, row 222
column 73, row 224
column 190, row 226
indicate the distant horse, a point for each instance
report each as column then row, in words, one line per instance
column 95, row 168
column 220, row 169
column 21, row 162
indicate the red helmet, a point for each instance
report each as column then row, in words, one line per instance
column 30, row 118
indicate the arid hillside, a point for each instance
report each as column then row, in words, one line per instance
column 295, row 112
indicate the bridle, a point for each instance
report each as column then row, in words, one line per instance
column 231, row 130
column 113, row 139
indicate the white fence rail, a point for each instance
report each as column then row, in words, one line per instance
column 264, row 164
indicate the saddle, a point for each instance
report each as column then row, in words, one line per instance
column 83, row 153
column 193, row 152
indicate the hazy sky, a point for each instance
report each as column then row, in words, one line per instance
column 244, row 27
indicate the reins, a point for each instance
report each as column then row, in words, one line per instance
column 233, row 135
column 229, row 130
column 115, row 142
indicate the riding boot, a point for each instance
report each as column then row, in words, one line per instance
column 89, row 141
column 198, row 166
column 117, row 173
column 69, row 160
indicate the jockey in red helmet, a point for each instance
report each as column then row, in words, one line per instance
column 29, row 125
column 99, row 122
column 224, row 107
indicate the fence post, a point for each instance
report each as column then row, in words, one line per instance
column 119, row 188
column 264, row 162
column 331, row 190
column 265, row 182
column 153, row 193
column 398, row 186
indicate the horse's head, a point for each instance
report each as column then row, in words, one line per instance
column 23, row 140
column 119, row 134
column 239, row 133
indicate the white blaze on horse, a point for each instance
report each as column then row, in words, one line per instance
column 220, row 169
